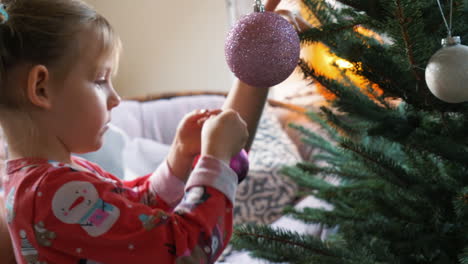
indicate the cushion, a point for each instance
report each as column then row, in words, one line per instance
column 158, row 119
column 125, row 157
column 142, row 156
column 162, row 117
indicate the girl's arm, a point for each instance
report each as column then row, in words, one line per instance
column 249, row 102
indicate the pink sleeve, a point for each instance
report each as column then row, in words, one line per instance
column 206, row 173
column 89, row 218
column 164, row 183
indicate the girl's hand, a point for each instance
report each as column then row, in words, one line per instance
column 187, row 140
column 299, row 23
column 224, row 135
column 187, row 143
column 271, row 5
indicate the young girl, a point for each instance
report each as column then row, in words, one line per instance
column 57, row 58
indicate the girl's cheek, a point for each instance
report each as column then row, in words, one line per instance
column 102, row 96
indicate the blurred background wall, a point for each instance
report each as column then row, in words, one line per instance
column 170, row 46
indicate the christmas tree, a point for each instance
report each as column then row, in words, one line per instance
column 400, row 153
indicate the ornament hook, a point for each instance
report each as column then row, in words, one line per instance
column 451, row 41
column 258, row 6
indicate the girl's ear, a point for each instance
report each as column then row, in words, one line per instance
column 39, row 90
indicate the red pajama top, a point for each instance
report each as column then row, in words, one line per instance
column 63, row 213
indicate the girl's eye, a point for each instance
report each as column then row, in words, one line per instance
column 101, row 83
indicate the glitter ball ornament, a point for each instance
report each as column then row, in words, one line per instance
column 239, row 164
column 447, row 72
column 262, row 49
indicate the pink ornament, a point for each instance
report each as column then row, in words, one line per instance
column 262, row 49
column 239, row 164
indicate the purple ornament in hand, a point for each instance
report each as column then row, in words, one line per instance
column 262, row 49
column 240, row 164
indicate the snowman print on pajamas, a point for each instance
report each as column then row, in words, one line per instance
column 78, row 202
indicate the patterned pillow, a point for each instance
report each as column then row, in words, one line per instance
column 262, row 196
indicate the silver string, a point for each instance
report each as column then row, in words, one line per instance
column 449, row 28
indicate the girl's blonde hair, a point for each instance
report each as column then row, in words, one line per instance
column 46, row 32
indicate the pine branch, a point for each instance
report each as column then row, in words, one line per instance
column 320, row 10
column 304, row 179
column 399, row 176
column 403, row 21
column 327, row 34
column 464, row 257
column 442, row 146
column 349, row 98
column 330, row 131
column 284, row 245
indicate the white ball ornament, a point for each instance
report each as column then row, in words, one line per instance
column 447, row 72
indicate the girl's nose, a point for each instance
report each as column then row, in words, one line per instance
column 113, row 100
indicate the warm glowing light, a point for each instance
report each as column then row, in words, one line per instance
column 343, row 64
column 368, row 33
column 323, row 61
